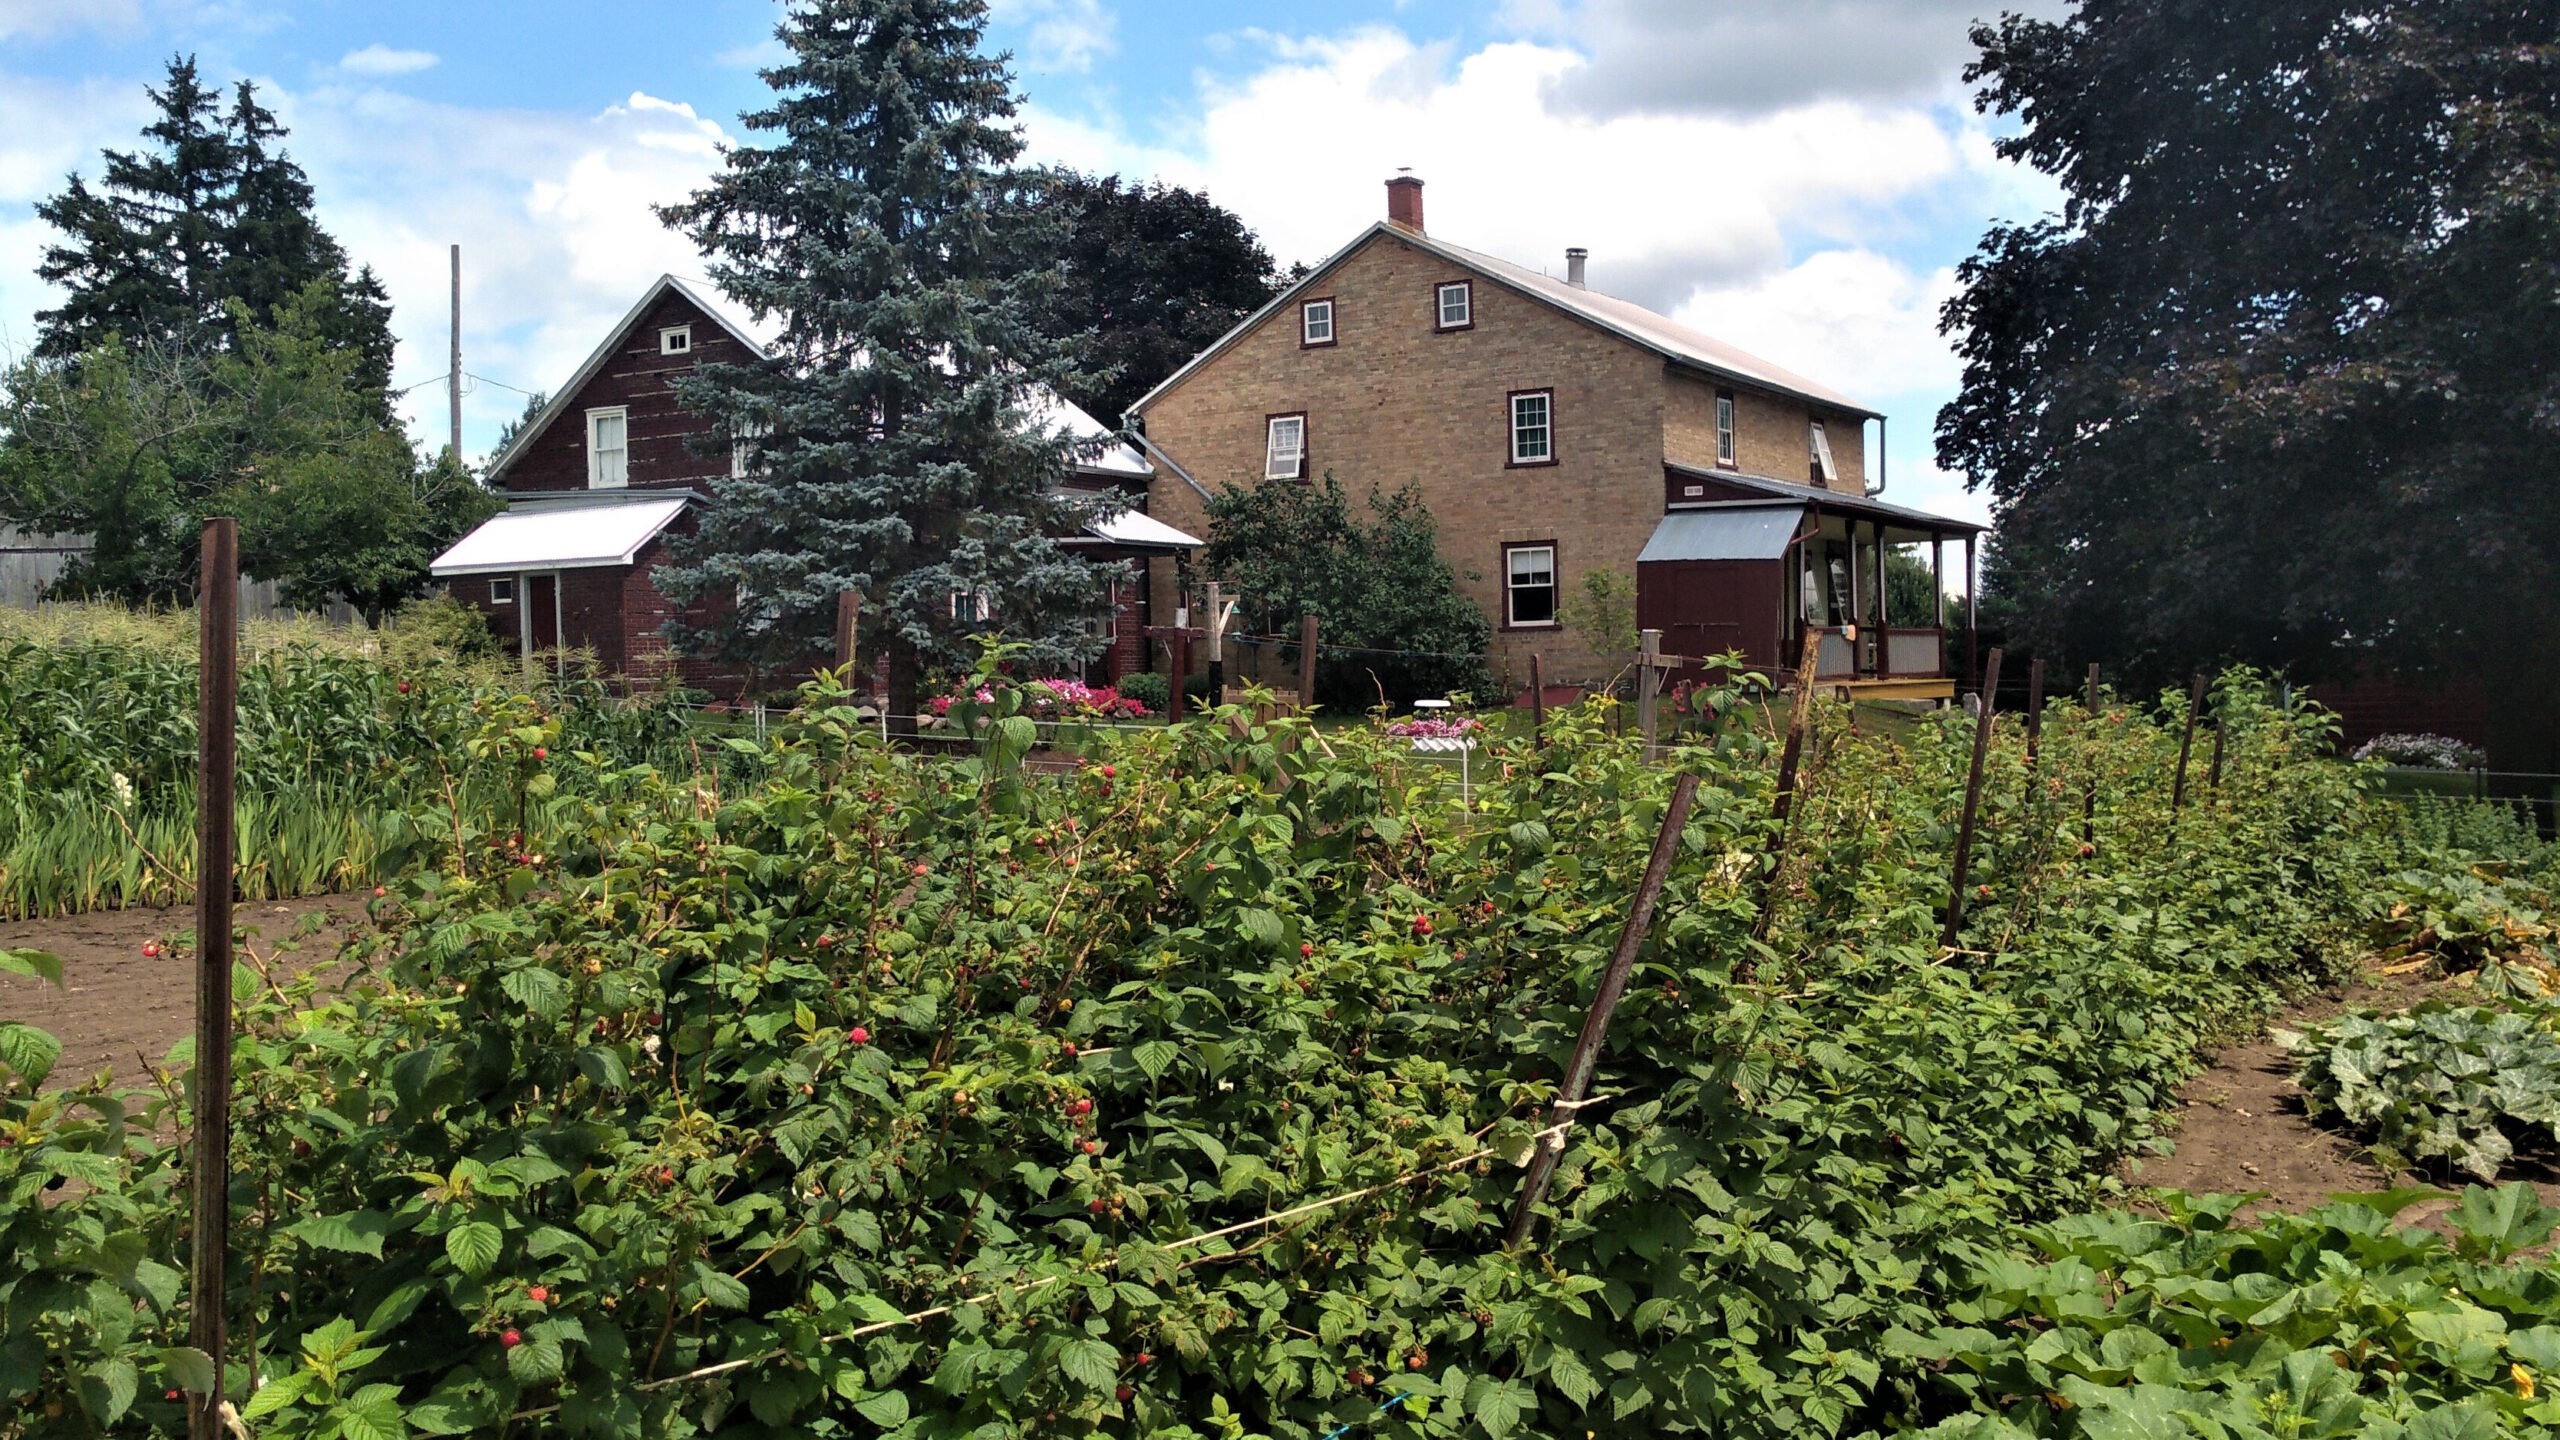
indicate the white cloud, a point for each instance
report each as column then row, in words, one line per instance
column 44, row 19
column 380, row 59
column 1858, row 320
column 1065, row 36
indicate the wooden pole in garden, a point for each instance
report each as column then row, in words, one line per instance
column 1972, row 799
column 2089, row 797
column 2186, row 748
column 1648, row 685
column 1799, row 715
column 848, row 625
column 1307, row 661
column 2220, row 724
column 2035, row 712
column 217, row 754
column 1181, row 672
column 1604, row 1005
column 1537, row 700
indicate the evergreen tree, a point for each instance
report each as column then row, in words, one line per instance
column 887, row 227
column 276, row 248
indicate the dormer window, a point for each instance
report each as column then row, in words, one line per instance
column 1824, row 471
column 1456, row 308
column 1284, row 449
column 676, row 340
column 1315, row 323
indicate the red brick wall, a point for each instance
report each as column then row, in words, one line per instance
column 2382, row 706
column 638, row 378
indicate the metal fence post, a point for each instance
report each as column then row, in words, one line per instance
column 1604, row 1005
column 217, row 754
column 1972, row 799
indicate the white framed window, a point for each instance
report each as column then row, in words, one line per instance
column 972, row 606
column 608, row 448
column 1315, row 323
column 1284, row 448
column 1529, row 585
column 676, row 340
column 1823, row 468
column 743, row 459
column 1724, row 429
column 502, row 591
column 1457, row 305
column 1533, row 427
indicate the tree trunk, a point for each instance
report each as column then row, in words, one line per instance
column 906, row 678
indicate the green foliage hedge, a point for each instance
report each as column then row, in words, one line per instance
column 2463, row 1084
column 665, row 1115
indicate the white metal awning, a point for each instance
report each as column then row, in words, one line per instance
column 558, row 537
column 1140, row 532
column 1738, row 533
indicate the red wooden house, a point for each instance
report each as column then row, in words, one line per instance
column 609, row 469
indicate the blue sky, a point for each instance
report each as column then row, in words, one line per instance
column 1796, row 176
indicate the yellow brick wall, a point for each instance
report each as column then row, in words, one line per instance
column 1394, row 401
column 1769, row 433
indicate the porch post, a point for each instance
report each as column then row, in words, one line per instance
column 524, row 622
column 1972, row 616
column 1884, row 611
column 559, row 624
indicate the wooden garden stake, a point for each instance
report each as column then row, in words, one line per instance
column 1307, row 661
column 2221, row 724
column 1648, row 685
column 2186, row 748
column 1799, row 712
column 1604, row 1005
column 2035, row 712
column 1972, row 798
column 217, row 754
column 848, row 621
column 1537, row 700
column 2089, row 797
column 1181, row 672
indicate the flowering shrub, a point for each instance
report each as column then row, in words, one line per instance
column 2424, row 752
column 1073, row 699
column 1433, row 729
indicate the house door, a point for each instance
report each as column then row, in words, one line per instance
column 542, row 610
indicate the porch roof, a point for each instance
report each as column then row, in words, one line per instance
column 1724, row 532
column 559, row 537
column 1831, row 502
column 1135, row 530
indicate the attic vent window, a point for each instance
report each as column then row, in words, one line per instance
column 676, row 340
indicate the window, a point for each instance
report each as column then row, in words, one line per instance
column 1533, row 430
column 1457, row 310
column 608, row 449
column 1315, row 323
column 1284, row 451
column 1529, row 585
column 972, row 605
column 1724, row 427
column 502, row 592
column 743, row 457
column 676, row 340
column 1824, row 472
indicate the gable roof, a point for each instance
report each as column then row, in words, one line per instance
column 1668, row 338
column 558, row 404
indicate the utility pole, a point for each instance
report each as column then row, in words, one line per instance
column 453, row 376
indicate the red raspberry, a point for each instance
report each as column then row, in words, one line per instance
column 858, row 1035
column 538, row 1294
column 511, row 1339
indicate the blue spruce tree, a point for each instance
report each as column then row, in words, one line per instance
column 887, row 443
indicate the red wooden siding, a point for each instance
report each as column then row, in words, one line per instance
column 640, row 380
column 1706, row 607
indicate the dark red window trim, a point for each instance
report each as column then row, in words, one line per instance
column 1555, row 577
column 1510, row 424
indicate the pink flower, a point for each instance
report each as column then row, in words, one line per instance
column 1435, row 729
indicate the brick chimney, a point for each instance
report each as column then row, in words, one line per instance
column 1404, row 201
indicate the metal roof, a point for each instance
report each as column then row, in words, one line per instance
column 1138, row 531
column 1759, row 532
column 558, row 537
column 1836, row 501
column 1624, row 318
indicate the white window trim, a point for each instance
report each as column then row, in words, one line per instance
column 1466, row 305
column 676, row 340
column 1273, row 456
column 596, row 454
column 1307, row 323
column 983, row 608
column 1724, row 430
column 502, row 590
column 742, row 448
column 1547, row 428
column 1823, row 465
column 1510, row 589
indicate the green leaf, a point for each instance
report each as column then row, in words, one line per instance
column 28, row 1050
column 373, row 1415
column 354, row 1232
column 34, row 964
column 187, row 1368
column 474, row 1247
column 1573, row 1379
column 108, row 1387
column 277, row 1394
column 1091, row 1363
column 538, row 990
column 1499, row 1406
column 537, row 1359
column 888, row 1410
column 603, row 1064
column 720, row 1288
column 1156, row 1056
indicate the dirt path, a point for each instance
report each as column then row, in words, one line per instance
column 2241, row 1126
column 117, row 1009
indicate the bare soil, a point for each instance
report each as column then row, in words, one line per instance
column 120, row 1010
column 2241, row 1127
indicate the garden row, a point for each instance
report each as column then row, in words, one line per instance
column 840, row 1093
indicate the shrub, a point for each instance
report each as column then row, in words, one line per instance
column 2464, row 1084
column 2425, row 752
column 1148, row 688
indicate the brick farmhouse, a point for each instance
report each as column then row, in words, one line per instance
column 1555, row 431
column 612, row 467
